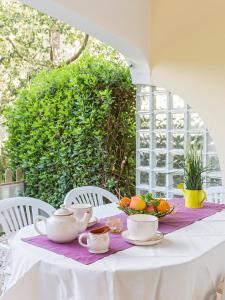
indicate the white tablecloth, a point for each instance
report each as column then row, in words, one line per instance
column 187, row 265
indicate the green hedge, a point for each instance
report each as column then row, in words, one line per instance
column 75, row 126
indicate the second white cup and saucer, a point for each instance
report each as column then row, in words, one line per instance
column 142, row 230
column 79, row 209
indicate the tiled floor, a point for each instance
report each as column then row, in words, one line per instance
column 4, row 259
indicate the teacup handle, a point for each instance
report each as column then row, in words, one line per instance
column 80, row 239
column 37, row 219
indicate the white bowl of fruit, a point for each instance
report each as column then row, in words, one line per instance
column 146, row 204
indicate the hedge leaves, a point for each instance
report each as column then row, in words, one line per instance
column 75, row 126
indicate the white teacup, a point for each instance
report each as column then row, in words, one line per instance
column 142, row 227
column 79, row 209
column 97, row 240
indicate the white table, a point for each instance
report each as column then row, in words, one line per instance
column 187, row 265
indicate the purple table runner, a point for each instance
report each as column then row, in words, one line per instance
column 75, row 251
column 183, row 217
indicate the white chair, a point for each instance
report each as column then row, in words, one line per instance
column 15, row 213
column 18, row 212
column 215, row 194
column 89, row 194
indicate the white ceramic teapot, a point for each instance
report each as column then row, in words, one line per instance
column 62, row 226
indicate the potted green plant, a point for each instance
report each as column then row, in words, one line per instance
column 194, row 170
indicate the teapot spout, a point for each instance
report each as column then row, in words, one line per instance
column 84, row 221
column 85, row 218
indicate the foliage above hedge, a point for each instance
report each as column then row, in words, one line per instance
column 75, row 126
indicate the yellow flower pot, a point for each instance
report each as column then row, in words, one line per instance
column 194, row 198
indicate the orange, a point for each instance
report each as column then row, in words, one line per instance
column 163, row 206
column 124, row 202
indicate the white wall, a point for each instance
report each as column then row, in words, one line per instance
column 182, row 40
column 188, row 57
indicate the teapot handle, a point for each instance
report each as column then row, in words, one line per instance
column 37, row 219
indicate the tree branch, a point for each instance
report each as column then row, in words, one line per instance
column 15, row 48
column 51, row 46
column 78, row 53
column 18, row 53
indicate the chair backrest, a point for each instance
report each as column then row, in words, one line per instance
column 89, row 194
column 18, row 212
column 215, row 194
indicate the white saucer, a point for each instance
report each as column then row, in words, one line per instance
column 153, row 241
column 92, row 221
column 98, row 252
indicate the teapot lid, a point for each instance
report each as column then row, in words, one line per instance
column 63, row 211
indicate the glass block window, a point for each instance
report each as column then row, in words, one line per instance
column 165, row 126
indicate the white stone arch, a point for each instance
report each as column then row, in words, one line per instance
column 185, row 54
